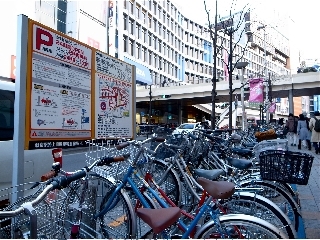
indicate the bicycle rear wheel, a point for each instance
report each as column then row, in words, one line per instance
column 258, row 206
column 236, row 226
column 279, row 196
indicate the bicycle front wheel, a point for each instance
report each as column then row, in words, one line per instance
column 238, row 226
column 119, row 221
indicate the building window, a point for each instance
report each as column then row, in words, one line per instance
column 155, row 43
column 159, row 46
column 159, row 12
column 62, row 16
column 150, row 22
column 131, row 47
column 144, row 52
column 131, row 7
column 125, row 44
column 144, row 16
column 154, row 8
column 144, row 34
column 164, row 33
column 138, row 12
column 130, row 26
column 150, row 57
column 150, row 4
column 124, row 22
column 138, row 29
column 150, row 40
column 155, row 25
column 160, row 28
column 125, row 4
column 138, row 51
column 164, row 18
column 155, row 60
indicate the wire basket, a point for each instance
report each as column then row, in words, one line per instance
column 49, row 212
column 276, row 144
column 115, row 171
column 285, row 166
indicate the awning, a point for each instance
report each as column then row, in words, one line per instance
column 142, row 73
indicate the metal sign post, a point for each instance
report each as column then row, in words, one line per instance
column 20, row 106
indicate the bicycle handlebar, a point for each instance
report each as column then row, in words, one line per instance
column 26, row 205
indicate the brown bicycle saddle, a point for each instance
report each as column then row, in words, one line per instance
column 218, row 190
column 159, row 219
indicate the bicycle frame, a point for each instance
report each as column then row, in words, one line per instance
column 127, row 179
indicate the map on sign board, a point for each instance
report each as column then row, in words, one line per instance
column 60, row 87
column 114, row 97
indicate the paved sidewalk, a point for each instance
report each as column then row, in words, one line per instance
column 309, row 196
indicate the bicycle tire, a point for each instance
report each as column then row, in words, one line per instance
column 167, row 179
column 209, row 230
column 279, row 190
column 115, row 217
column 261, row 207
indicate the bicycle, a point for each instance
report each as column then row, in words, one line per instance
column 228, row 187
column 47, row 195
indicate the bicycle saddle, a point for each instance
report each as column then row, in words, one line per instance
column 239, row 163
column 218, row 190
column 209, row 174
column 159, row 219
column 242, row 151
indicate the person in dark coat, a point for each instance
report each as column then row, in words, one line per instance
column 292, row 130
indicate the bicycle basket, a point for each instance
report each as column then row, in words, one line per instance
column 48, row 212
column 285, row 166
column 276, row 144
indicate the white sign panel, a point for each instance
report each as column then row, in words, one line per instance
column 61, row 87
column 114, row 98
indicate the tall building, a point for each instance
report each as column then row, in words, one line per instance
column 156, row 35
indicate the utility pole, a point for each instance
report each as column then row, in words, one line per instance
column 214, row 77
column 230, row 33
column 150, row 109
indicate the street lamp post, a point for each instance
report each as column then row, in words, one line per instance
column 265, row 72
column 214, row 77
column 242, row 66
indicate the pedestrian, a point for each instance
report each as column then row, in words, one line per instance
column 303, row 131
column 314, row 127
column 292, row 130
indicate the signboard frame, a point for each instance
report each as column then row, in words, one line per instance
column 29, row 85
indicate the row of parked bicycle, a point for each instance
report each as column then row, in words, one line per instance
column 190, row 185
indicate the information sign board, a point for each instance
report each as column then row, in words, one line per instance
column 75, row 92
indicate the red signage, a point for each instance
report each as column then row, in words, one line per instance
column 93, row 43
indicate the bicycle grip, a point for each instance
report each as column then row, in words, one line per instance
column 194, row 137
column 108, row 160
column 122, row 145
column 48, row 176
column 159, row 139
column 75, row 176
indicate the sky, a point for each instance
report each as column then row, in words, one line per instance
column 297, row 20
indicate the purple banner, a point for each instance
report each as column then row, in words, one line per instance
column 272, row 108
column 256, row 90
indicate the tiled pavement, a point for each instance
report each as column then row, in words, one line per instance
column 309, row 196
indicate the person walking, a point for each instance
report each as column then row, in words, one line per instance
column 292, row 129
column 303, row 131
column 314, row 127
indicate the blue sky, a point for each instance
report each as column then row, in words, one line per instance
column 298, row 20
